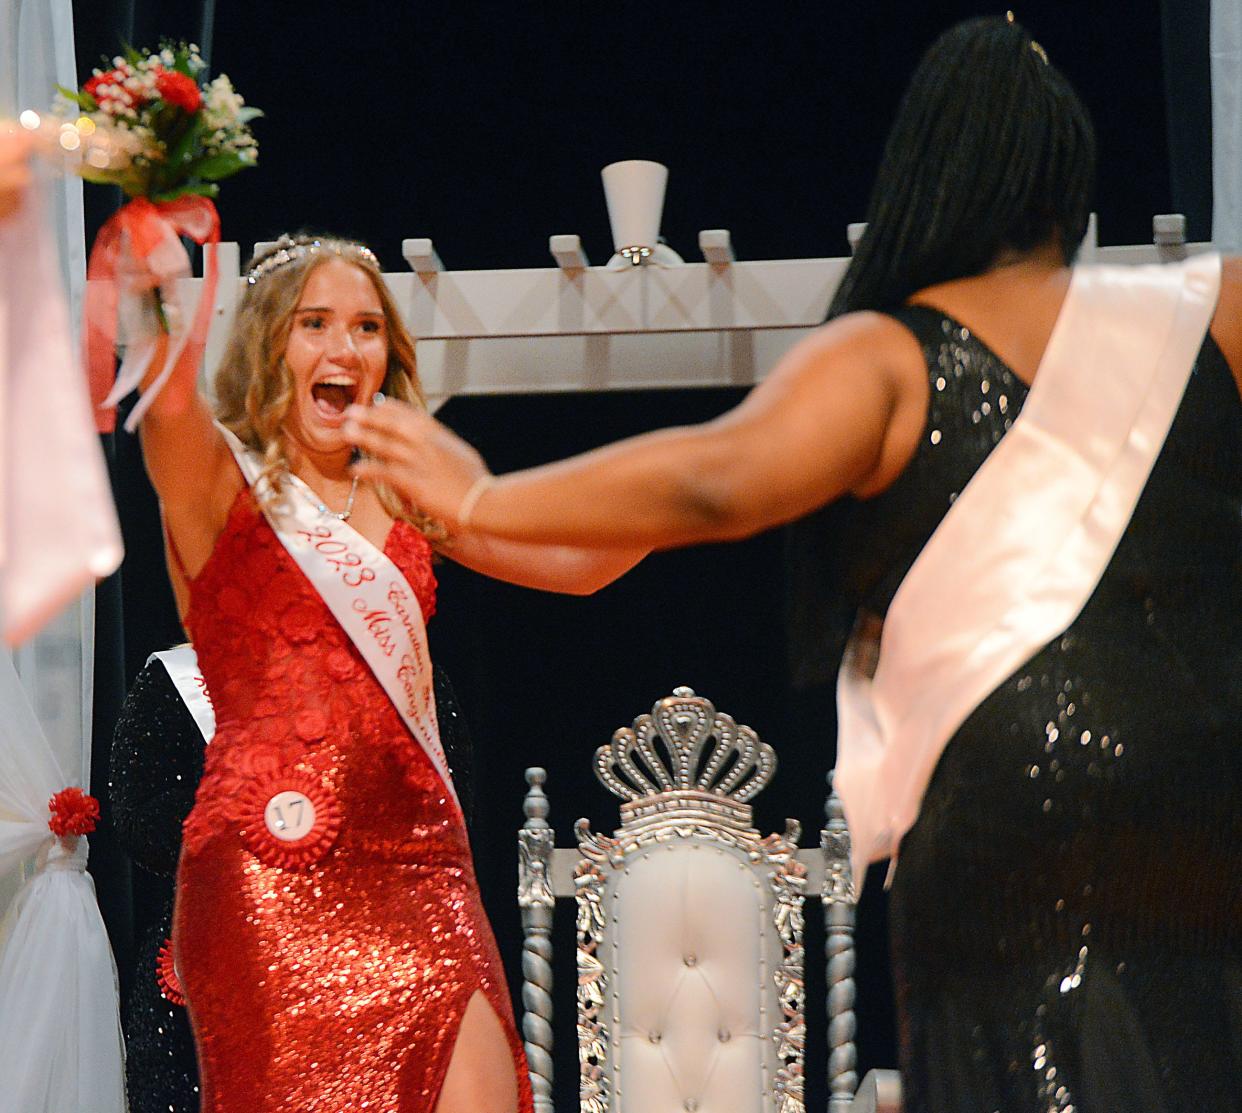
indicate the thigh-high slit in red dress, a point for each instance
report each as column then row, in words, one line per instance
column 334, row 975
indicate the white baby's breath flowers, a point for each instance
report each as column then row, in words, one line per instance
column 222, row 104
column 136, row 142
column 222, row 114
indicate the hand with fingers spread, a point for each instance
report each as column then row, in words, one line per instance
column 411, row 452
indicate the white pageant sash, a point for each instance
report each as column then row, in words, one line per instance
column 1015, row 559
column 181, row 664
column 367, row 594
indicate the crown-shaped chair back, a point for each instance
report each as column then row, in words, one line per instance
column 704, row 751
column 690, row 987
column 690, row 965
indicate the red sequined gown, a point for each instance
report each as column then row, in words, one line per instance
column 337, row 985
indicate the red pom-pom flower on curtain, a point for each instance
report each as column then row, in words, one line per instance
column 74, row 812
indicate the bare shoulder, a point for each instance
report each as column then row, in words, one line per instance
column 866, row 333
column 1227, row 321
column 869, row 345
column 863, row 373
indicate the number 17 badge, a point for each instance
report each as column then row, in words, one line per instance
column 292, row 819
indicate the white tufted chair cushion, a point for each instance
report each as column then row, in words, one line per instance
column 691, row 1002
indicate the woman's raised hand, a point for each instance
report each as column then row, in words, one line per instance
column 423, row 461
column 15, row 148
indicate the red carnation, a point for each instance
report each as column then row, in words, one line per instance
column 116, row 78
column 73, row 813
column 177, row 88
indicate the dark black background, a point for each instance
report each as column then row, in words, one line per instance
column 485, row 127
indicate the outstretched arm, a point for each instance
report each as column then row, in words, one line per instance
column 841, row 413
column 559, row 568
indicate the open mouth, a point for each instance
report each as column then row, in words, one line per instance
column 333, row 395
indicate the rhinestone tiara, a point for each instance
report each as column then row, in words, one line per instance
column 289, row 250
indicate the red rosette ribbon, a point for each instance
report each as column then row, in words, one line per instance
column 166, row 976
column 74, row 812
column 136, row 252
column 291, row 819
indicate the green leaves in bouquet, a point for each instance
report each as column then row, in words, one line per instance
column 192, row 189
column 181, row 134
column 83, row 100
column 132, row 180
column 215, row 168
column 181, row 59
column 187, row 168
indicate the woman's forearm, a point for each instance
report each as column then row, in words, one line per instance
column 561, row 568
column 659, row 490
column 179, row 393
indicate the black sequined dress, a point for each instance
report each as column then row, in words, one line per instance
column 1066, row 915
column 156, row 763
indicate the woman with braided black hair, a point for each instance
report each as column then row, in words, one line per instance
column 1039, row 708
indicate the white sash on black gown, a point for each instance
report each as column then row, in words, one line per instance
column 1020, row 551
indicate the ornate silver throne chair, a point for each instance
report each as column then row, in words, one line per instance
column 690, row 958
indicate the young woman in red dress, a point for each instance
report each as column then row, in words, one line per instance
column 329, row 932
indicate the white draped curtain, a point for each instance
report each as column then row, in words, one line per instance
column 1227, row 124
column 60, row 1036
column 60, row 1040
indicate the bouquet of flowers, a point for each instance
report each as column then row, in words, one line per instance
column 153, row 130
column 151, row 126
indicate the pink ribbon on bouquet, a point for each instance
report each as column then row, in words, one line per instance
column 137, row 252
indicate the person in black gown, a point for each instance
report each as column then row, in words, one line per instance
column 155, row 766
column 1067, row 909
column 1065, row 919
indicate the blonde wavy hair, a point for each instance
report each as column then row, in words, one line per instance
column 253, row 385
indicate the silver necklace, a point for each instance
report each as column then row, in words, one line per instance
column 339, row 515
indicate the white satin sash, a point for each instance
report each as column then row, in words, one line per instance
column 1015, row 559
column 367, row 594
column 181, row 664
